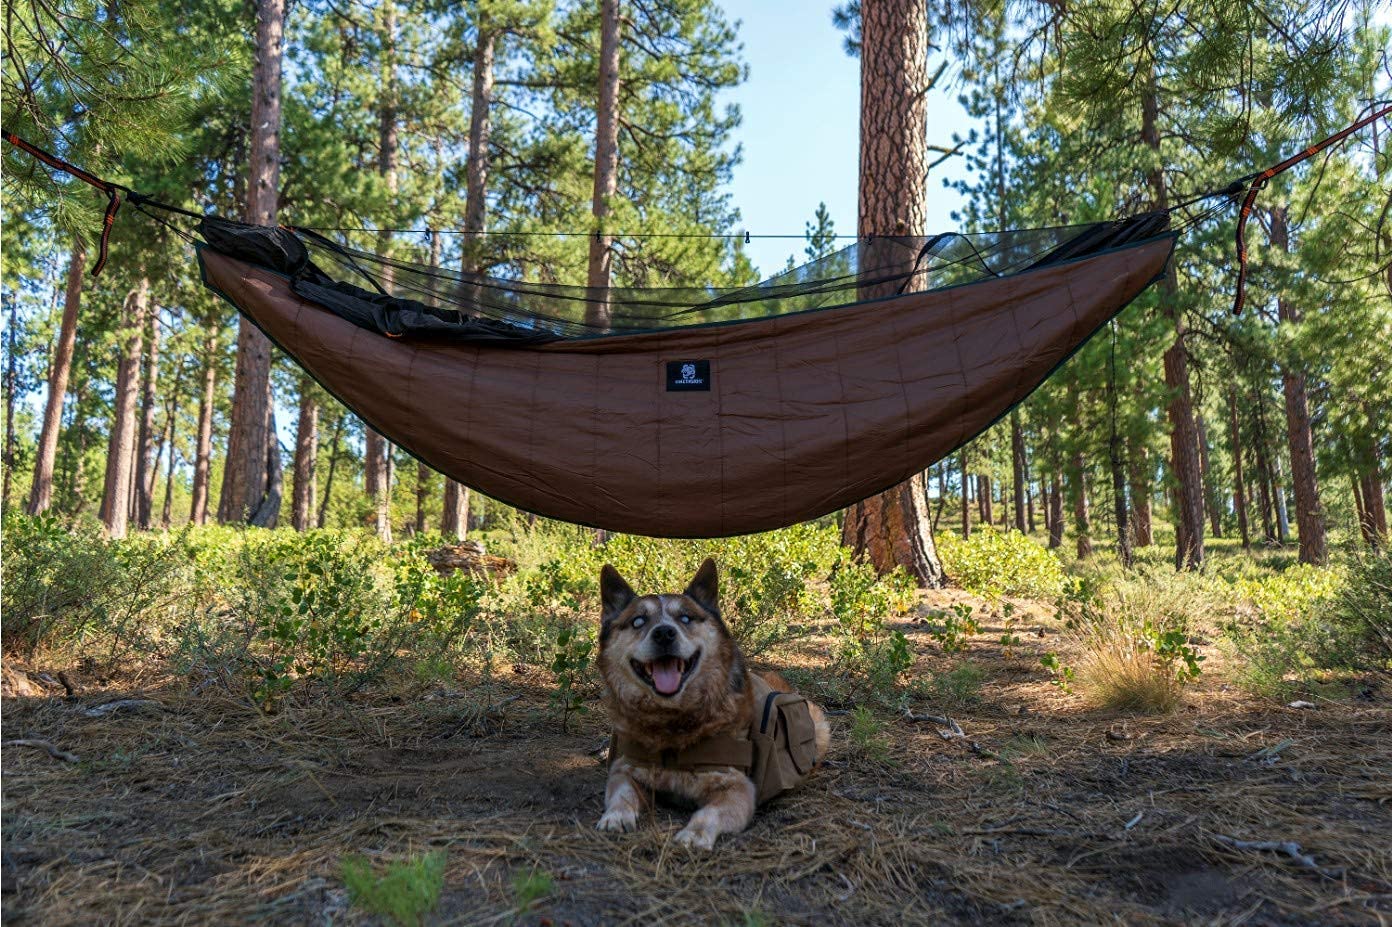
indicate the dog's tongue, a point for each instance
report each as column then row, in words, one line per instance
column 666, row 675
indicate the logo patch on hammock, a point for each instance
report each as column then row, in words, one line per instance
column 688, row 376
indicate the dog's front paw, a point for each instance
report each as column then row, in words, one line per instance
column 697, row 838
column 619, row 820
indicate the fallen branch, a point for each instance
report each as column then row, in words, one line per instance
column 44, row 745
column 101, row 711
column 1286, row 847
column 954, row 730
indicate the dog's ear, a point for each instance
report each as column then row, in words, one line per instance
column 704, row 589
column 614, row 592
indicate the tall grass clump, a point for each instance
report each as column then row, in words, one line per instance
column 1137, row 655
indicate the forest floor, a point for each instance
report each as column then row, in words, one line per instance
column 194, row 809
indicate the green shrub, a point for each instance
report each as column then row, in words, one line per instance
column 952, row 627
column 868, row 738
column 63, row 583
column 1362, row 609
column 994, row 563
column 402, row 894
column 571, row 665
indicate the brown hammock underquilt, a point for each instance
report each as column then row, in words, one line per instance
column 805, row 413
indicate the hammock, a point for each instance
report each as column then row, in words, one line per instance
column 691, row 413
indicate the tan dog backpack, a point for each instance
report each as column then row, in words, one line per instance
column 778, row 753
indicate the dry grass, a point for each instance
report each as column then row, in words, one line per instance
column 201, row 810
column 1120, row 672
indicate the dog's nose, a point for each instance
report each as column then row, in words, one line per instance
column 664, row 634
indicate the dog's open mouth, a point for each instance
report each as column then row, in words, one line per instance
column 667, row 675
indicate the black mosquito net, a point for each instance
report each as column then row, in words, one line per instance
column 400, row 298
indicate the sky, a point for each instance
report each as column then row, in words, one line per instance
column 800, row 134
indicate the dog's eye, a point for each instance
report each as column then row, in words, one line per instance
column 686, row 619
column 639, row 621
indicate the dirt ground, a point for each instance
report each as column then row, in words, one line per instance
column 192, row 808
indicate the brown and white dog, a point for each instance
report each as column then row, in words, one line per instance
column 674, row 677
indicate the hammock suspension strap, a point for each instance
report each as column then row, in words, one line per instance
column 1260, row 181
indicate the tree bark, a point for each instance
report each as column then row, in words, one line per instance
column 480, row 132
column 966, row 498
column 1239, row 481
column 171, row 414
column 1082, row 523
column 41, row 489
column 606, row 167
column 1138, row 475
column 1017, row 457
column 1374, row 507
column 422, row 486
column 246, row 482
column 11, row 382
column 333, row 466
column 1184, row 441
column 894, row 528
column 146, row 468
column 454, row 520
column 203, row 455
column 120, row 453
column 1056, row 525
column 983, row 496
column 306, row 457
column 1210, row 485
column 1309, row 513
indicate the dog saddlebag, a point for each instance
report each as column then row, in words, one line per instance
column 785, row 743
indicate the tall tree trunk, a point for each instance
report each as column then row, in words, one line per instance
column 966, row 498
column 1119, row 508
column 422, row 487
column 1278, row 492
column 1239, row 482
column 894, row 528
column 1056, row 525
column 11, row 381
column 120, row 454
column 306, row 456
column 146, row 469
column 1309, row 514
column 1017, row 457
column 1365, row 520
column 333, row 466
column 269, row 513
column 606, row 166
column 1138, row 475
column 41, row 490
column 1264, row 480
column 171, row 414
column 1078, row 480
column 1375, row 506
column 1184, row 439
column 203, row 454
column 454, row 520
column 1209, row 483
column 246, row 481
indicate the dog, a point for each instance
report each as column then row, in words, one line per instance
column 687, row 713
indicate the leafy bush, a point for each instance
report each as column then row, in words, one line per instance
column 66, row 582
column 403, row 894
column 1362, row 609
column 1306, row 622
column 994, row 563
column 952, row 627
